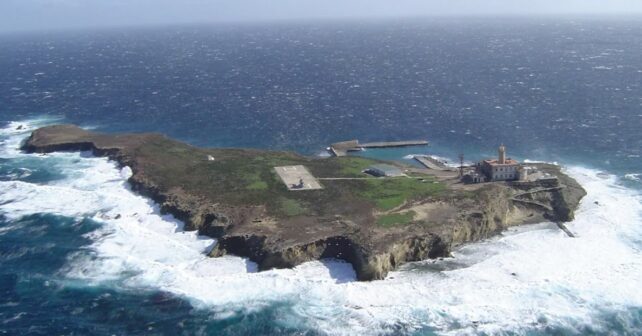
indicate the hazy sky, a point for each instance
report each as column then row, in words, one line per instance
column 54, row 14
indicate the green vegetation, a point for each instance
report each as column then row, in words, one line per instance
column 257, row 185
column 352, row 166
column 246, row 177
column 254, row 181
column 396, row 219
column 292, row 207
column 390, row 193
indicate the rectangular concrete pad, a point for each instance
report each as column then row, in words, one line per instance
column 290, row 175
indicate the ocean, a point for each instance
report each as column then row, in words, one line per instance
column 563, row 90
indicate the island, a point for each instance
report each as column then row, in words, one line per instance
column 280, row 209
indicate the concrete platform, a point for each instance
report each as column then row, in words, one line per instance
column 384, row 144
column 431, row 163
column 290, row 175
column 342, row 148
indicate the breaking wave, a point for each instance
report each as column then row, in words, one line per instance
column 531, row 278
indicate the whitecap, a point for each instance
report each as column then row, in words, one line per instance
column 324, row 154
column 541, row 161
column 14, row 132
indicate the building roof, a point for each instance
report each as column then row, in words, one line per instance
column 509, row 162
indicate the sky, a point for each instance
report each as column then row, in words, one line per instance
column 19, row 15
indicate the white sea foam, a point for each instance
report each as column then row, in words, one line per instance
column 16, row 131
column 540, row 161
column 324, row 154
column 530, row 277
column 633, row 177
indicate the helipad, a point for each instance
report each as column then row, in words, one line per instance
column 297, row 178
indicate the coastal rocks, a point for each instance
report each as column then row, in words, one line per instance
column 565, row 200
column 367, row 265
column 500, row 207
column 413, row 249
column 490, row 215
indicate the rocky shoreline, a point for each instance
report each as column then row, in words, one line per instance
column 248, row 223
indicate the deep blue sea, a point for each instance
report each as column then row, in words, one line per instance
column 564, row 90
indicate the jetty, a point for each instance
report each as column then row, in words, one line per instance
column 394, row 144
column 342, row 148
column 432, row 163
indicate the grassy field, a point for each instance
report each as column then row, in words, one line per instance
column 390, row 193
column 354, row 166
column 396, row 219
column 247, row 177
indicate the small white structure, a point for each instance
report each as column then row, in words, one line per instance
column 531, row 174
column 474, row 177
column 523, row 172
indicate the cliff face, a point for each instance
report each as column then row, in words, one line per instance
column 250, row 227
column 367, row 265
column 492, row 214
